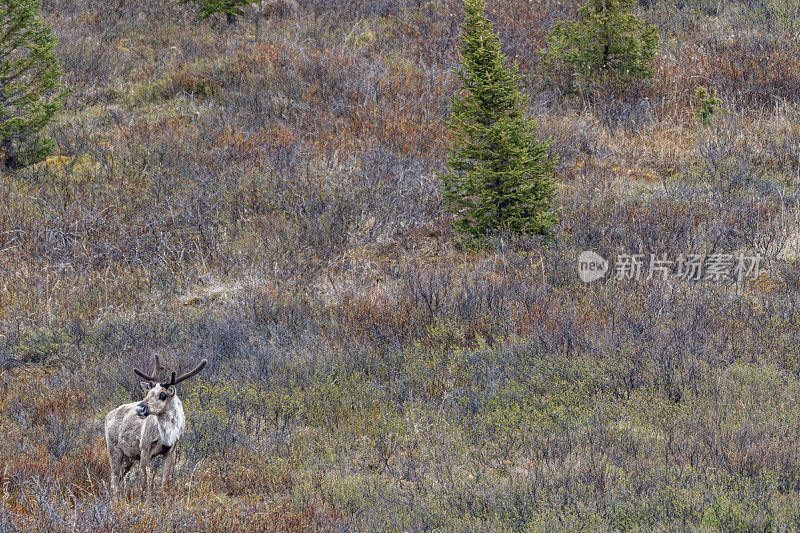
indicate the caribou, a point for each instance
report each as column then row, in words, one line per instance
column 143, row 431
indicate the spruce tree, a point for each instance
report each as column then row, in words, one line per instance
column 606, row 38
column 30, row 93
column 500, row 178
column 230, row 8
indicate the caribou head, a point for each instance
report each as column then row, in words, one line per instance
column 159, row 396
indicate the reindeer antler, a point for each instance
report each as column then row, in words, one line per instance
column 157, row 368
column 174, row 381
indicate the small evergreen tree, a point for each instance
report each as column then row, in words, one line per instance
column 230, row 8
column 30, row 93
column 500, row 177
column 707, row 107
column 606, row 38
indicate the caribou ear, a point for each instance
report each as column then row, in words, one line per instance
column 171, row 390
column 145, row 385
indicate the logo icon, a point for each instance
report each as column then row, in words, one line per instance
column 591, row 266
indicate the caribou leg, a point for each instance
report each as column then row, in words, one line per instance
column 166, row 466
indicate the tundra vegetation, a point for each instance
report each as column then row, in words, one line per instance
column 273, row 204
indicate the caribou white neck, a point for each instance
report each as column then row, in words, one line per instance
column 171, row 423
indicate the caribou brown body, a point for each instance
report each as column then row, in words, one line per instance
column 142, row 431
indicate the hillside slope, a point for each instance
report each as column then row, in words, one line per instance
column 269, row 200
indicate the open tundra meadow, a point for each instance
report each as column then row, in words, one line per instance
column 267, row 196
